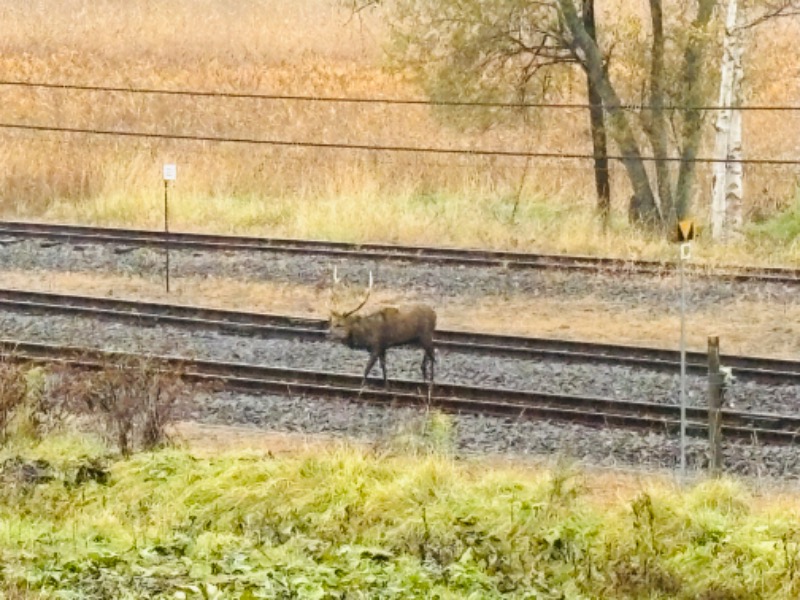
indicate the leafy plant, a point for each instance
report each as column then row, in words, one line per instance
column 345, row 523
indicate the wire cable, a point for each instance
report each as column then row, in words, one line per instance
column 377, row 147
column 388, row 101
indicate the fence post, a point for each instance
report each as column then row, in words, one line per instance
column 715, row 391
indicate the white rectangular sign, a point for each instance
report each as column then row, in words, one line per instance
column 170, row 172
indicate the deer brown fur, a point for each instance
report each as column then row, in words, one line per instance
column 386, row 328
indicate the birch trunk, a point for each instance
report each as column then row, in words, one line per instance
column 727, row 190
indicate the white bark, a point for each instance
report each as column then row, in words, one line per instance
column 728, row 188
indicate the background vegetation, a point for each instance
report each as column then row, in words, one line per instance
column 352, row 523
column 259, row 46
column 81, row 517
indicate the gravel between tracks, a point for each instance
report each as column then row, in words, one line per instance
column 425, row 281
column 472, row 435
column 551, row 376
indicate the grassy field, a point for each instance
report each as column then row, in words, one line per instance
column 350, row 522
column 311, row 47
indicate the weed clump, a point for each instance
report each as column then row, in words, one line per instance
column 432, row 434
column 27, row 411
column 13, row 391
column 131, row 401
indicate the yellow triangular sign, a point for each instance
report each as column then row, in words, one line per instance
column 685, row 230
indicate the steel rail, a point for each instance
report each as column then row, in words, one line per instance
column 265, row 325
column 587, row 410
column 371, row 251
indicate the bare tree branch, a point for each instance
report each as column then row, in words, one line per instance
column 774, row 10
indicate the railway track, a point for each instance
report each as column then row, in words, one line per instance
column 587, row 410
column 764, row 370
column 11, row 231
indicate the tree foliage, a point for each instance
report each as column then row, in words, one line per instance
column 495, row 50
column 662, row 57
column 515, row 50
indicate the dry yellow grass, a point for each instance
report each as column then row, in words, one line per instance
column 309, row 47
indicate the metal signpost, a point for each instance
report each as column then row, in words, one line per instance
column 685, row 235
column 170, row 174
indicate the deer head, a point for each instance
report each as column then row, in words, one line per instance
column 340, row 320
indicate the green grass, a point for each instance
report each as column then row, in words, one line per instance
column 781, row 228
column 352, row 524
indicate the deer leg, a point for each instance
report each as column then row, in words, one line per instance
column 382, row 356
column 428, row 359
column 371, row 363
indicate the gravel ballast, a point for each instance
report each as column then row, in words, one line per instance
column 472, row 435
column 404, row 427
column 426, row 282
column 550, row 376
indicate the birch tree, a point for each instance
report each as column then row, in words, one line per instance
column 727, row 197
column 727, row 187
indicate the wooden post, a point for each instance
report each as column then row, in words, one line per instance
column 715, row 391
column 166, row 230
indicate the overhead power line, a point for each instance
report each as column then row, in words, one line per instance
column 375, row 100
column 371, row 147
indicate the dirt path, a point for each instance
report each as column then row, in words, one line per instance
column 744, row 326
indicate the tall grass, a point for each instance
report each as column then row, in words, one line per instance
column 307, row 47
column 346, row 522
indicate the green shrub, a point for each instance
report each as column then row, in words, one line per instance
column 351, row 524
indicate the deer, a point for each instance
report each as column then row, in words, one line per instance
column 386, row 328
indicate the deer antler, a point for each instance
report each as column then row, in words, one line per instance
column 333, row 300
column 364, row 301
